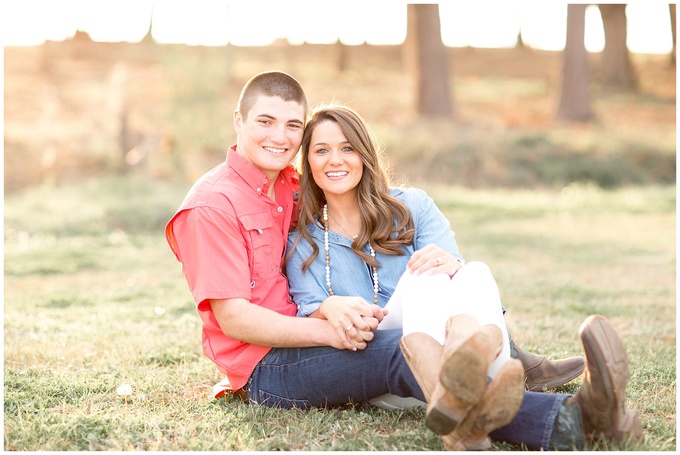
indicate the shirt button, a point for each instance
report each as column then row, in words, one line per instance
column 259, row 190
column 252, row 284
column 265, row 180
column 280, row 209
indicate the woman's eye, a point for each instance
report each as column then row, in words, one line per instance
column 321, row 151
column 347, row 149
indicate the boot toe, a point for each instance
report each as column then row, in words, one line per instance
column 602, row 396
column 549, row 374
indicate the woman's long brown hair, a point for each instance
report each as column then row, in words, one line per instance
column 385, row 221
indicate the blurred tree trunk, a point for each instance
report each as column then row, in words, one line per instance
column 427, row 61
column 575, row 98
column 616, row 69
column 148, row 38
column 342, row 52
column 674, row 30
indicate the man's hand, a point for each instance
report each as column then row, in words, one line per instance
column 352, row 318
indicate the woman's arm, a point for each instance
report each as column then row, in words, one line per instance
column 311, row 294
column 436, row 250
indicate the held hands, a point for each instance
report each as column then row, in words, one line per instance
column 432, row 259
column 353, row 320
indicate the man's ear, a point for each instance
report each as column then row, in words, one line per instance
column 238, row 121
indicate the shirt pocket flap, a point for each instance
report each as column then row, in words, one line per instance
column 256, row 221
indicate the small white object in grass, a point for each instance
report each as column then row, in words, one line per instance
column 124, row 390
column 159, row 310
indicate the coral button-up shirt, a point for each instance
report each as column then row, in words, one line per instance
column 230, row 238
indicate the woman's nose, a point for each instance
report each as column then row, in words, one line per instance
column 336, row 157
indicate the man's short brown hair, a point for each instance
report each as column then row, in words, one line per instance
column 270, row 83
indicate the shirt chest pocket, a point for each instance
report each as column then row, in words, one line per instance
column 262, row 257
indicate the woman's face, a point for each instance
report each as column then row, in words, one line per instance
column 336, row 167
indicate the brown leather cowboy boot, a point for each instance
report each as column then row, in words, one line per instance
column 499, row 405
column 468, row 353
column 543, row 374
column 463, row 364
column 601, row 398
column 423, row 356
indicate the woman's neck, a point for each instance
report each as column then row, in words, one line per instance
column 344, row 216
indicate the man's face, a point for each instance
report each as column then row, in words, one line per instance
column 271, row 135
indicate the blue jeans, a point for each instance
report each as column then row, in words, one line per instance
column 324, row 376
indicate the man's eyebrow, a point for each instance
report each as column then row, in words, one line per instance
column 274, row 118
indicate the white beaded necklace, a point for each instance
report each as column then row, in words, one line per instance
column 328, row 259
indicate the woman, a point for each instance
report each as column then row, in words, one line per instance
column 348, row 193
column 360, row 243
column 393, row 248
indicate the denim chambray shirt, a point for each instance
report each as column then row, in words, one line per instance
column 350, row 275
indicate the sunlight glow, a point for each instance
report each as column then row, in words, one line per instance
column 490, row 23
column 199, row 22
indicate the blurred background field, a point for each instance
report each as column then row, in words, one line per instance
column 102, row 141
column 79, row 108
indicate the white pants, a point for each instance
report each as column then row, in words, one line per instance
column 424, row 303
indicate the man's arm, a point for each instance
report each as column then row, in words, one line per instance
column 253, row 324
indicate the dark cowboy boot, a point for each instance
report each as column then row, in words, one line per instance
column 543, row 374
column 601, row 399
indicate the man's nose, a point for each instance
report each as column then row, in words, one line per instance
column 278, row 134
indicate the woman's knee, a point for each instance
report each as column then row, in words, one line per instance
column 477, row 267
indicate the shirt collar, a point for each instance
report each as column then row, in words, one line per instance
column 254, row 177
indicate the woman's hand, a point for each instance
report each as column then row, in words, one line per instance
column 352, row 318
column 432, row 259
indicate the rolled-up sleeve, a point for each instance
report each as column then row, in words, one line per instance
column 307, row 288
column 431, row 224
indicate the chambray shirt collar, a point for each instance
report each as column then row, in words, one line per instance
column 252, row 176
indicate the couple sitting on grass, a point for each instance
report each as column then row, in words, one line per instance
column 378, row 302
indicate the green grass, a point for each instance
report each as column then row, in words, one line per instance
column 94, row 299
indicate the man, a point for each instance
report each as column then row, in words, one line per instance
column 230, row 235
